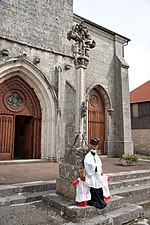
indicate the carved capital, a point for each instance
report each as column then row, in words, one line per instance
column 81, row 62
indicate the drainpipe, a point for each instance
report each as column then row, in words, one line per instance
column 125, row 44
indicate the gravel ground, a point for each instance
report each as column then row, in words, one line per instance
column 29, row 214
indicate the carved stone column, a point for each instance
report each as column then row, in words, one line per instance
column 81, row 47
column 73, row 158
column 81, row 65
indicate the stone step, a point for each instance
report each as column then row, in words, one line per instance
column 146, row 206
column 129, row 182
column 123, row 215
column 126, row 214
column 133, row 194
column 141, row 222
column 129, row 175
column 23, row 197
column 38, row 186
column 74, row 213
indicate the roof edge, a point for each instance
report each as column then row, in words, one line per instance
column 140, row 101
column 100, row 27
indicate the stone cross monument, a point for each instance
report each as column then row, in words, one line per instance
column 81, row 47
column 73, row 157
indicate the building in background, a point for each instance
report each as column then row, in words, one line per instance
column 140, row 118
column 38, row 83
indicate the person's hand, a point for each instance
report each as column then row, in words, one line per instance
column 108, row 178
column 74, row 182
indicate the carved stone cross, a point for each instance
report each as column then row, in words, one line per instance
column 83, row 43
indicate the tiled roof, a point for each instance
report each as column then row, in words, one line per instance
column 141, row 93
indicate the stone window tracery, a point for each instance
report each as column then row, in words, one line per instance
column 14, row 100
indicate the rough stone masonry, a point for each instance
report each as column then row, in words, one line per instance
column 34, row 47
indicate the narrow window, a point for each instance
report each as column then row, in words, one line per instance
column 135, row 110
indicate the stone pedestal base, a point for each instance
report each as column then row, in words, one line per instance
column 69, row 170
column 69, row 210
column 64, row 187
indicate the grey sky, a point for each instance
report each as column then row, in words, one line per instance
column 129, row 18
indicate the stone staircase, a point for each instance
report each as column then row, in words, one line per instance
column 117, row 212
column 130, row 198
column 25, row 192
column 134, row 186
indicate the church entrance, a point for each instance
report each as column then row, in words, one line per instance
column 20, row 121
column 96, row 118
column 23, row 139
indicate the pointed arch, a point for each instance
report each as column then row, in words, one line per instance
column 18, row 100
column 103, row 92
column 45, row 94
column 107, row 109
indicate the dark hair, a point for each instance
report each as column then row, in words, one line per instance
column 94, row 141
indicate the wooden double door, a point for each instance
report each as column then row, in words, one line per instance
column 20, row 121
column 16, row 137
column 96, row 119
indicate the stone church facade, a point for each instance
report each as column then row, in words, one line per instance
column 38, row 83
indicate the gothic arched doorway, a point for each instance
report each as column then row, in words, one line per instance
column 96, row 118
column 20, row 120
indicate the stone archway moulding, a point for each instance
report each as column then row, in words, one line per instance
column 108, row 118
column 46, row 95
column 103, row 92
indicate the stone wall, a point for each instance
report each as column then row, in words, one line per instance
column 109, row 70
column 37, row 23
column 141, row 139
column 38, row 29
column 54, row 74
column 31, row 29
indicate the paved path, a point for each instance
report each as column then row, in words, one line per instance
column 11, row 173
column 112, row 165
column 28, row 172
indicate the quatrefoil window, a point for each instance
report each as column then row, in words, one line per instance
column 14, row 99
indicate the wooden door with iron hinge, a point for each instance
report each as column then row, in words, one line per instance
column 96, row 119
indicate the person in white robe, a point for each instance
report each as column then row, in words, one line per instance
column 82, row 190
column 106, row 192
column 94, row 176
